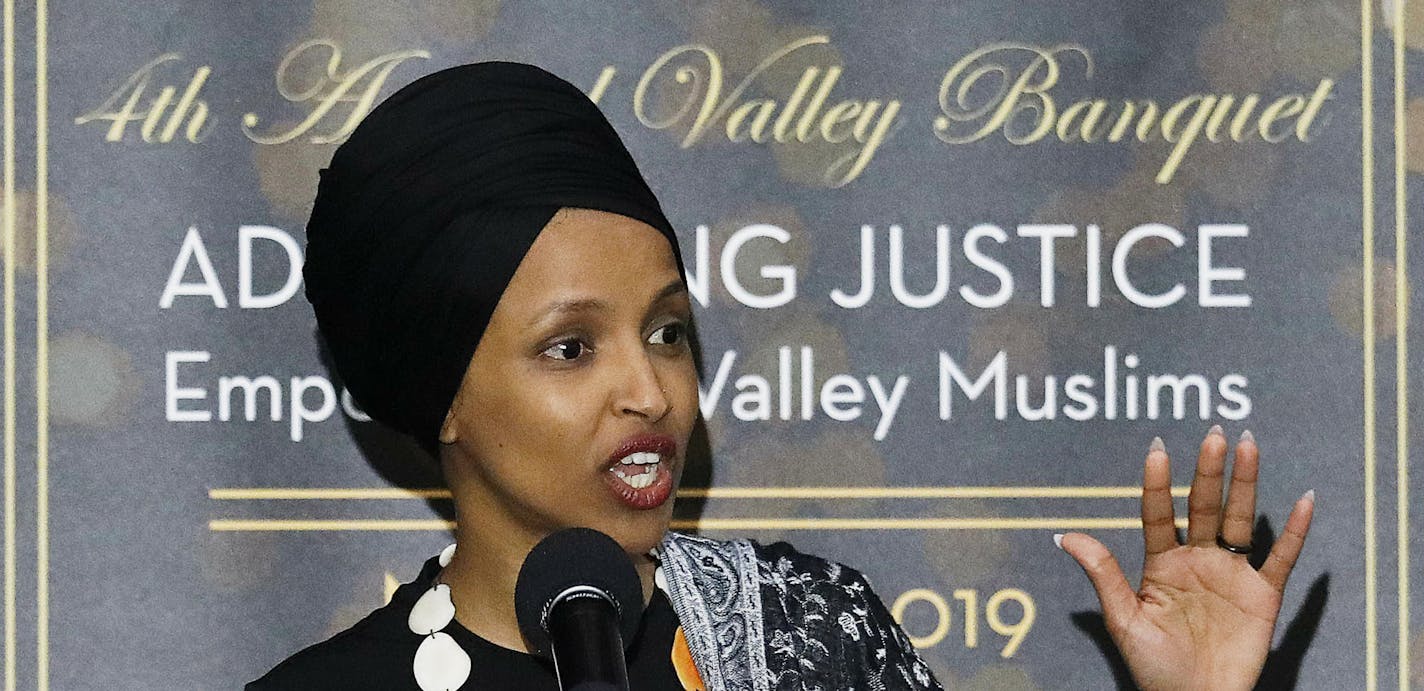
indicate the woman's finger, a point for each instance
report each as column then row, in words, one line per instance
column 1117, row 597
column 1204, row 501
column 1159, row 523
column 1240, row 516
column 1287, row 548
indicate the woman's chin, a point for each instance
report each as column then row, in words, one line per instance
column 641, row 533
column 640, row 516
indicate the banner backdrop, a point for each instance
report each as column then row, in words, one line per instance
column 954, row 265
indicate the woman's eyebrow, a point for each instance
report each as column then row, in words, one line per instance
column 584, row 305
column 670, row 290
column 567, row 307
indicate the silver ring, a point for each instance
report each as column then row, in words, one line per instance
column 1234, row 549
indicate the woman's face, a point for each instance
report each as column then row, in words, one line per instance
column 579, row 400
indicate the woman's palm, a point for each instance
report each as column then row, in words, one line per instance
column 1203, row 616
column 1200, row 607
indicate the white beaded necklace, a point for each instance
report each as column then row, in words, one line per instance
column 440, row 663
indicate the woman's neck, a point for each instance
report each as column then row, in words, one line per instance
column 483, row 573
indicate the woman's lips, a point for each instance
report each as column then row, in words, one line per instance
column 639, row 472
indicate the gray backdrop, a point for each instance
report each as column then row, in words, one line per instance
column 164, row 531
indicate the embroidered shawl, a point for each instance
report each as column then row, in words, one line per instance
column 769, row 618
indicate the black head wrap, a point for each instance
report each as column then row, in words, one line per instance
column 428, row 208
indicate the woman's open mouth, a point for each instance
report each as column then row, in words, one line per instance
column 640, row 473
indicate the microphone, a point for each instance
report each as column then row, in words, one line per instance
column 578, row 599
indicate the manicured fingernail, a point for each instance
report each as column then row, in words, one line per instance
column 1058, row 540
column 1309, row 496
column 1157, row 445
column 1246, row 436
column 1216, row 429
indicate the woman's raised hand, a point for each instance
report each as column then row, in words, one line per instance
column 1203, row 616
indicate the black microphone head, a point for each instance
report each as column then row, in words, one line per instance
column 568, row 558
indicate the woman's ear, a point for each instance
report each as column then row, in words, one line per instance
column 449, row 430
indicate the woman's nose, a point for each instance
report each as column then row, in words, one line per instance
column 640, row 392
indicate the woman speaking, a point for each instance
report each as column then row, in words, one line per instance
column 493, row 276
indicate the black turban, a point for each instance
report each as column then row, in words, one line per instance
column 428, row 208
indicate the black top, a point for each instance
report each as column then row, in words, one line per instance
column 379, row 651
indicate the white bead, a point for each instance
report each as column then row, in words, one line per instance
column 660, row 580
column 440, row 664
column 446, row 555
column 433, row 611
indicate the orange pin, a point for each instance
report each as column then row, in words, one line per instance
column 682, row 663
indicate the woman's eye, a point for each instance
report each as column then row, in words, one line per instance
column 671, row 334
column 570, row 349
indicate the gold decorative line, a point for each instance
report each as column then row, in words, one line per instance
column 42, row 345
column 268, row 524
column 9, row 243
column 913, row 523
column 1367, row 228
column 326, row 493
column 1401, row 351
column 1041, row 492
column 298, row 525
